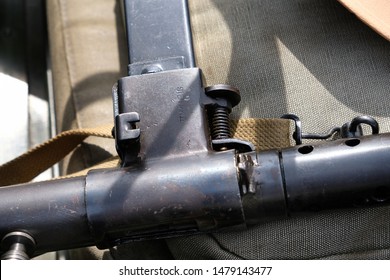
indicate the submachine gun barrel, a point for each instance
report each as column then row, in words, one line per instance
column 200, row 193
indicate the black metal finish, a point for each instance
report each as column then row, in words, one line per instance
column 240, row 146
column 341, row 173
column 173, row 183
column 262, row 185
column 164, row 198
column 364, row 120
column 344, row 173
column 172, row 121
column 51, row 212
column 224, row 92
column 348, row 130
column 221, row 99
column 159, row 35
column 354, row 129
column 127, row 136
column 226, row 97
column 202, row 192
column 220, row 124
column 17, row 246
column 152, row 199
column 158, row 108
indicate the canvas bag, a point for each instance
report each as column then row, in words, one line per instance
column 311, row 58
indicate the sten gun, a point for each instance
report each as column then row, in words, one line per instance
column 181, row 171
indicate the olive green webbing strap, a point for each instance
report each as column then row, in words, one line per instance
column 263, row 133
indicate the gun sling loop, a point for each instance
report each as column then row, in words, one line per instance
column 265, row 134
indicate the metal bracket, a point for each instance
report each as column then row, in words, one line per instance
column 240, row 146
column 127, row 136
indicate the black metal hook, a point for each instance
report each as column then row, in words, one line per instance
column 298, row 135
column 364, row 120
column 348, row 130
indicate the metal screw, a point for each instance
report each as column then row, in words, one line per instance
column 17, row 246
column 227, row 97
column 150, row 69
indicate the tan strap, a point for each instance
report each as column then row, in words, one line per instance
column 263, row 133
column 32, row 163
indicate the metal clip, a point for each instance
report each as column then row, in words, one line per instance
column 354, row 129
column 348, row 130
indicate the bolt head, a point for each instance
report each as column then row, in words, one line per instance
column 227, row 92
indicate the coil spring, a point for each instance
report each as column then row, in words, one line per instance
column 220, row 124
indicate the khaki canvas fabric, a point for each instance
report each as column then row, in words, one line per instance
column 312, row 58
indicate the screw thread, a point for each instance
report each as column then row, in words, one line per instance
column 220, row 124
